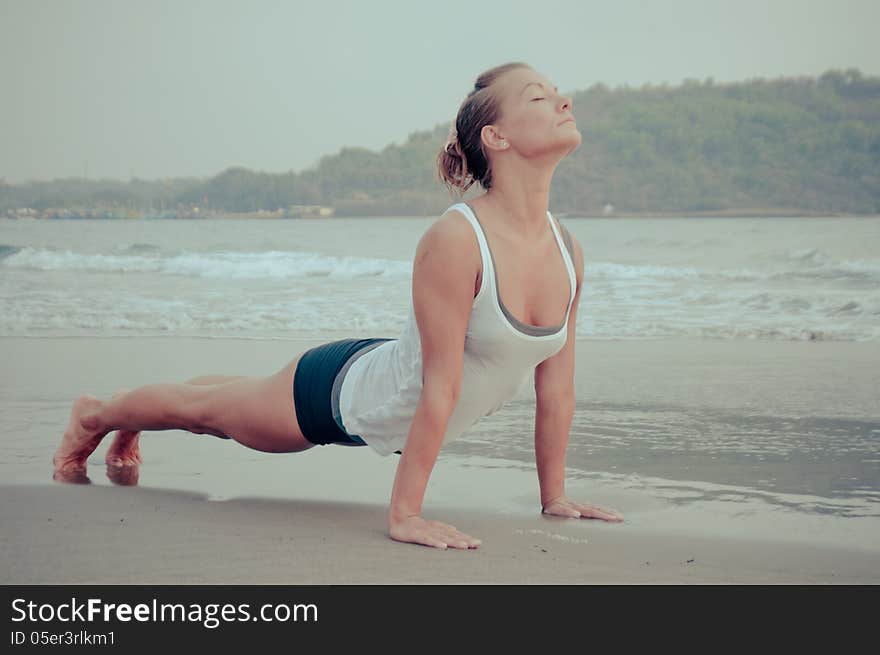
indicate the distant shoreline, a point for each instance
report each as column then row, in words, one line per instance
column 720, row 213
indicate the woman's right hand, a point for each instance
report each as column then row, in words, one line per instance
column 416, row 530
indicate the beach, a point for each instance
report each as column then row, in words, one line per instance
column 205, row 510
column 680, row 243
column 149, row 536
column 726, row 387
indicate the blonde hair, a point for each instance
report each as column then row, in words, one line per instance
column 462, row 161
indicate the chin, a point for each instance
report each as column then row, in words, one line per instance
column 569, row 145
column 557, row 147
column 573, row 142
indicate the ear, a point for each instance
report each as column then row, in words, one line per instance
column 493, row 139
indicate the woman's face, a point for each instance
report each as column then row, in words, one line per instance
column 535, row 120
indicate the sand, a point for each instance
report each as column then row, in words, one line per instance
column 151, row 536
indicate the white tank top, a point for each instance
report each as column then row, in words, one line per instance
column 380, row 389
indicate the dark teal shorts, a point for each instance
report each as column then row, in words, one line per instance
column 316, row 385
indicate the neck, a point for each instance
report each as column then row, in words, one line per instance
column 521, row 193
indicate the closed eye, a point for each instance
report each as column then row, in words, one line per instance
column 533, row 99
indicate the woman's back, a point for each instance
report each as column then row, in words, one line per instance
column 379, row 389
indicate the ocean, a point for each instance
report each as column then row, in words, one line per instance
column 719, row 278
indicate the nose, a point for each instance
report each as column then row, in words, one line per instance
column 566, row 103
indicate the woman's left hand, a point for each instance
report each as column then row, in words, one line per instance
column 568, row 508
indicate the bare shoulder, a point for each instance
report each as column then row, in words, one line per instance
column 453, row 236
column 453, row 226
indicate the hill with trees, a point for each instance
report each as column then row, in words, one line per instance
column 796, row 145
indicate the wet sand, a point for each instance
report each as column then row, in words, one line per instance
column 152, row 536
column 211, row 511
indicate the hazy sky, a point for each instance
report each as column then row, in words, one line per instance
column 164, row 88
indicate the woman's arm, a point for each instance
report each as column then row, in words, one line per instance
column 554, row 410
column 444, row 272
column 554, row 392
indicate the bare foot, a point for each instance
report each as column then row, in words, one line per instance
column 124, row 451
column 71, row 477
column 79, row 441
column 124, row 476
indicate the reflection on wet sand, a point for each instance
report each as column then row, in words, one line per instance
column 123, row 476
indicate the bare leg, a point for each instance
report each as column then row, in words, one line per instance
column 125, row 449
column 257, row 412
column 215, row 379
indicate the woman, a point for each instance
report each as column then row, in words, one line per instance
column 496, row 284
